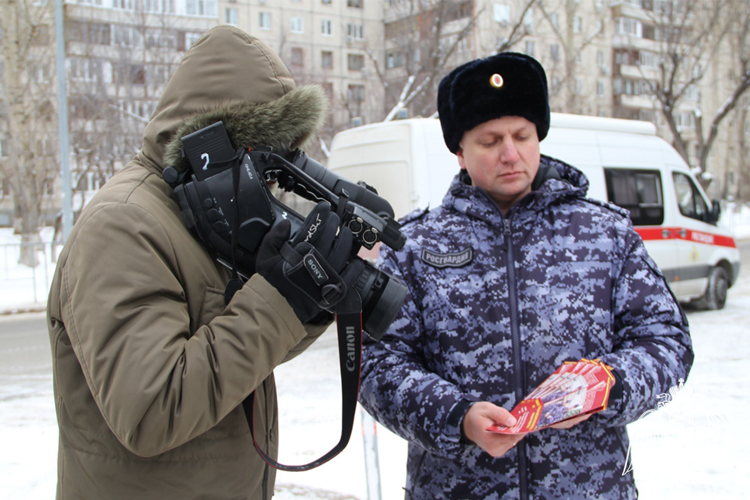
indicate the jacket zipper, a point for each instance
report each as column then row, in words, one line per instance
column 515, row 331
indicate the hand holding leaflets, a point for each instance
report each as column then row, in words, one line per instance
column 575, row 389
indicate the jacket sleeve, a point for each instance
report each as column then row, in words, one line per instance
column 653, row 350
column 399, row 390
column 156, row 383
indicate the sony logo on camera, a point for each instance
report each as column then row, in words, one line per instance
column 315, row 269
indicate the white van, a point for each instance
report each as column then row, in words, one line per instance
column 625, row 161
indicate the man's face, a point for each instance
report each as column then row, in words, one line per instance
column 502, row 157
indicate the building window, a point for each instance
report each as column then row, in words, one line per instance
column 130, row 74
column 530, row 46
column 528, row 21
column 93, row 33
column 355, row 62
column 156, row 38
column 356, row 93
column 328, row 89
column 684, row 120
column 124, row 4
column 354, row 3
column 626, row 26
column 298, row 57
column 648, row 59
column 264, row 20
column 600, row 88
column 577, row 24
column 394, row 60
column 554, row 20
column 231, row 16
column 325, row 2
column 326, row 59
column 205, row 8
column 501, row 13
column 692, row 93
column 554, row 52
column 355, row 31
column 127, row 36
column 579, row 86
column 5, row 184
column 190, row 39
column 158, row 6
column 326, row 27
column 157, row 74
column 464, row 44
column 297, row 25
column 555, row 85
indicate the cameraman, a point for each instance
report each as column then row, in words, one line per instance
column 151, row 359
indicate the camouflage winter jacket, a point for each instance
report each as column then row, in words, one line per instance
column 496, row 304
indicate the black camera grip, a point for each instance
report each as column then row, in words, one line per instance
column 305, row 269
column 311, row 274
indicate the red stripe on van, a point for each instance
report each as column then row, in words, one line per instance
column 681, row 233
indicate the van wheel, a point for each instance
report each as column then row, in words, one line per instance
column 716, row 291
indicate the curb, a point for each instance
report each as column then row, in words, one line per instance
column 24, row 308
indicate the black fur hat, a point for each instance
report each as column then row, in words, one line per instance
column 506, row 84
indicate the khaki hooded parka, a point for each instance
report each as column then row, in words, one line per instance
column 150, row 367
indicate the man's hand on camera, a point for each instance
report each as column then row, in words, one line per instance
column 307, row 270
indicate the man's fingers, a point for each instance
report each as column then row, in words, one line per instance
column 497, row 414
column 506, row 418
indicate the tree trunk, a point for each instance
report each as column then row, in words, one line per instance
column 31, row 242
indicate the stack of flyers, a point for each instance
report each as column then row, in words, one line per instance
column 576, row 388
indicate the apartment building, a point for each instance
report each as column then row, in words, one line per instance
column 602, row 57
column 328, row 42
column 119, row 56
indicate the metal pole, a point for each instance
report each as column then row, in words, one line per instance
column 372, row 462
column 62, row 119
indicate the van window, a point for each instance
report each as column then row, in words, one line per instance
column 689, row 199
column 638, row 191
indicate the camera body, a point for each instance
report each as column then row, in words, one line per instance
column 227, row 190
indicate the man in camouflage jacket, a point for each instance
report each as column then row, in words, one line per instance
column 515, row 273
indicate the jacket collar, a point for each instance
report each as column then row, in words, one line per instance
column 556, row 181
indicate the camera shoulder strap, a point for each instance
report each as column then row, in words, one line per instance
column 349, row 328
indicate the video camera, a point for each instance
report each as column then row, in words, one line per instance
column 228, row 188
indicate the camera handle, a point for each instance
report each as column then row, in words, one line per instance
column 349, row 328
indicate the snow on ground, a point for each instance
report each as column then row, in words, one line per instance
column 695, row 447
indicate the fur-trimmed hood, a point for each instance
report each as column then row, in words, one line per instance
column 231, row 76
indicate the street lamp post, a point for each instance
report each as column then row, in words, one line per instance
column 62, row 117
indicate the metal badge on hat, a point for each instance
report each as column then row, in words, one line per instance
column 496, row 81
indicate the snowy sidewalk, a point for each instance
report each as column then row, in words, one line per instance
column 693, row 448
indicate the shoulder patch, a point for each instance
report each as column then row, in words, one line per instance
column 455, row 259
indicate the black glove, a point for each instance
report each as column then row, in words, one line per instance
column 307, row 269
